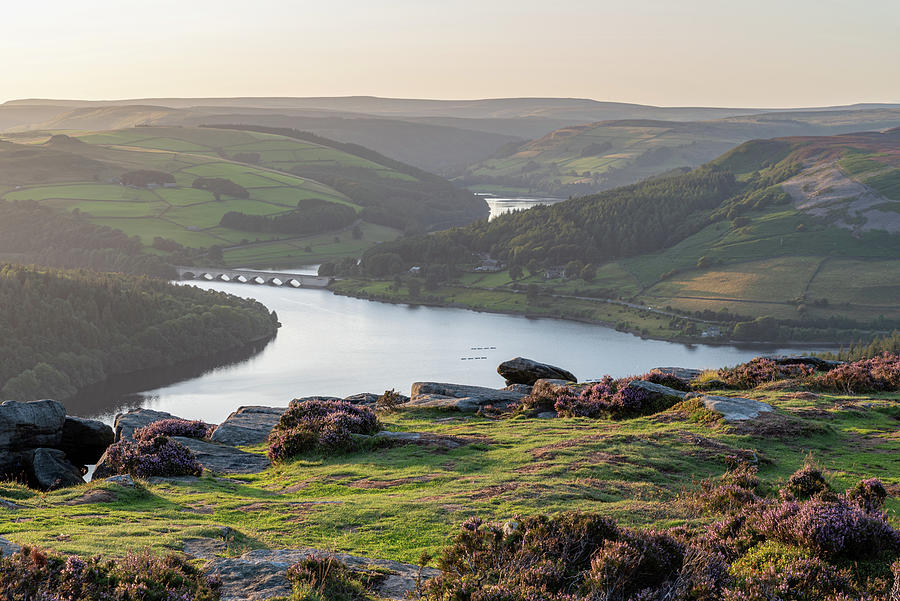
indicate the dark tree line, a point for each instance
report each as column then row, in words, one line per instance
column 221, row 186
column 624, row 222
column 142, row 178
column 63, row 330
column 313, row 215
column 36, row 234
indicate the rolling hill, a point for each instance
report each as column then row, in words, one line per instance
column 82, row 173
column 803, row 230
column 582, row 159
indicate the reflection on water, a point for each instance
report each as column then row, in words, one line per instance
column 338, row 346
column 499, row 206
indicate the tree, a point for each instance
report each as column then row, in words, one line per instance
column 515, row 271
column 588, row 272
column 415, row 287
column 357, row 233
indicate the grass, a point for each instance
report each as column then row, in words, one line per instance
column 395, row 503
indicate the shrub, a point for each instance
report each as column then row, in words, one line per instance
column 322, row 425
column 805, row 483
column 157, row 457
column 878, row 374
column 803, row 579
column 174, row 427
column 612, row 398
column 390, row 401
column 328, row 579
column 37, row 574
column 666, row 379
column 869, row 495
column 760, row 371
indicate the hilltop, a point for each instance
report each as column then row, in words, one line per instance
column 583, row 159
column 270, row 185
column 795, row 238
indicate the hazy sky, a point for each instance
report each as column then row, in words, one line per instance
column 665, row 52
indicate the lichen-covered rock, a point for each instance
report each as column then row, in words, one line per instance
column 224, row 459
column 8, row 548
column 248, row 426
column 528, row 371
column 735, row 409
column 814, row 362
column 657, row 388
column 85, row 440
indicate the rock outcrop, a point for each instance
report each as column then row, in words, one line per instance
column 458, row 397
column 46, row 447
column 8, row 548
column 657, row 389
column 685, row 374
column 527, row 371
column 224, row 459
column 248, row 426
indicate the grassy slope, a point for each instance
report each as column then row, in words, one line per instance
column 564, row 163
column 188, row 216
column 395, row 503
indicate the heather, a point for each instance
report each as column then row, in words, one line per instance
column 39, row 574
column 877, row 374
column 616, row 399
column 320, row 425
column 173, row 427
column 328, row 579
column 828, row 547
column 157, row 457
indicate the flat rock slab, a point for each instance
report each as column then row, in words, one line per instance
column 224, row 459
column 8, row 548
column 814, row 362
column 127, row 423
column 735, row 409
column 458, row 397
column 248, row 426
column 262, row 574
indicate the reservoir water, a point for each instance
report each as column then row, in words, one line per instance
column 337, row 346
column 499, row 206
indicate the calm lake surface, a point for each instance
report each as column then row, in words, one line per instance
column 499, row 206
column 338, row 346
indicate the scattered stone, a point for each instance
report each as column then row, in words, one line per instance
column 10, row 505
column 224, row 459
column 121, row 480
column 547, row 415
column 682, row 373
column 735, row 409
column 8, row 548
column 85, row 440
column 657, row 388
column 458, row 397
column 51, row 470
column 262, row 574
column 127, row 423
column 248, row 426
column 528, row 371
column 814, row 362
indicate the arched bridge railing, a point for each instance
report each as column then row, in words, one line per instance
column 249, row 276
